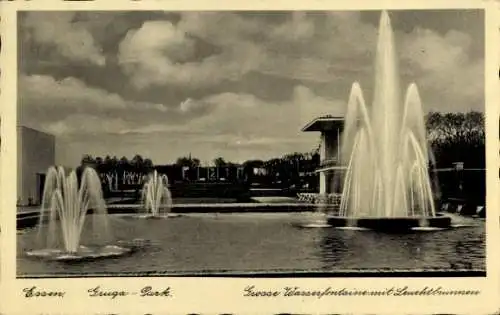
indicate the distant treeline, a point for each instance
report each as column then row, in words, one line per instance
column 453, row 137
column 124, row 174
column 131, row 178
column 457, row 137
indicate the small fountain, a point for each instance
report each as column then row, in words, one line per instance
column 386, row 184
column 156, row 197
column 65, row 207
column 317, row 218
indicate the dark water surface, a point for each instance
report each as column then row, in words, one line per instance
column 266, row 242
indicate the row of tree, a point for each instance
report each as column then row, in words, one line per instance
column 141, row 164
column 109, row 163
column 457, row 137
column 189, row 161
column 453, row 137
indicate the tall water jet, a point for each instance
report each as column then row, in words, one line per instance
column 66, row 204
column 384, row 147
column 156, row 197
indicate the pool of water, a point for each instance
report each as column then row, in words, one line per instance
column 267, row 242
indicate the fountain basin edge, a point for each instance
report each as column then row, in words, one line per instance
column 118, row 249
column 83, row 254
column 30, row 218
column 392, row 224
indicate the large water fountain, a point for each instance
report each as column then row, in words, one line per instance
column 386, row 184
column 67, row 207
column 156, row 197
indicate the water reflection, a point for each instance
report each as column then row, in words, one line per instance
column 461, row 248
column 267, row 242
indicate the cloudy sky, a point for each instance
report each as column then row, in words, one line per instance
column 237, row 85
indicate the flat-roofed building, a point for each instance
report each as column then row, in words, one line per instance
column 36, row 152
column 330, row 128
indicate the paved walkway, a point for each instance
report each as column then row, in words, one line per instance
column 276, row 199
column 221, row 205
column 257, row 202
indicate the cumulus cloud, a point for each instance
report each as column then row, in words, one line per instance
column 221, row 28
column 332, row 47
column 431, row 51
column 312, row 106
column 158, row 54
column 302, row 47
column 243, row 119
column 297, row 29
column 240, row 126
column 71, row 40
column 64, row 106
column 241, row 85
column 84, row 123
column 45, row 90
column 443, row 67
column 187, row 105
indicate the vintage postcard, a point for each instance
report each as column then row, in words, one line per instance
column 212, row 157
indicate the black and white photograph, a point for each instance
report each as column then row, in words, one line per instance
column 285, row 160
column 251, row 143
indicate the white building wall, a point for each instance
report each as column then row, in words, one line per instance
column 331, row 143
column 330, row 151
column 322, row 156
column 35, row 154
column 322, row 183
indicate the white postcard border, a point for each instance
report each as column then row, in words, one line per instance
column 219, row 295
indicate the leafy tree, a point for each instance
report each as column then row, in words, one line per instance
column 137, row 164
column 457, row 137
column 137, row 160
column 87, row 159
column 188, row 161
column 220, row 162
column 99, row 161
column 114, row 161
column 457, row 127
column 148, row 164
column 123, row 161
